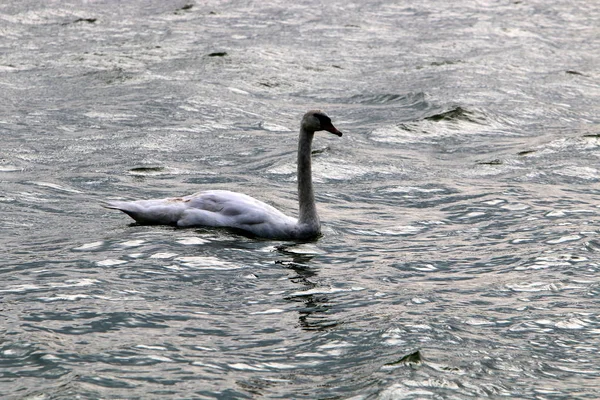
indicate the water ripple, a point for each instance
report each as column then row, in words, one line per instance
column 459, row 209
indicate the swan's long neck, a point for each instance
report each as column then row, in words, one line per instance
column 306, row 196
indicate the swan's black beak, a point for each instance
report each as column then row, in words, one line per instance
column 330, row 128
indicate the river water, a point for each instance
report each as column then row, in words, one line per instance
column 460, row 250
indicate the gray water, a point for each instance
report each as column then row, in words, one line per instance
column 460, row 248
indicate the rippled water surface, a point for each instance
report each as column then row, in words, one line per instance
column 460, row 250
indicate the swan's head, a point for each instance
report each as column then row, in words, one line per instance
column 317, row 120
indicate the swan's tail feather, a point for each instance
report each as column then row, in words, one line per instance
column 147, row 212
column 121, row 206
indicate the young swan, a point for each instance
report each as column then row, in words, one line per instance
column 225, row 209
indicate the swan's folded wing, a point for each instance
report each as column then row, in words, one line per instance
column 225, row 208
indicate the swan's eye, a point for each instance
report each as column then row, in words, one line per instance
column 324, row 120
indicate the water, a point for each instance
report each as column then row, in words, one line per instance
column 460, row 250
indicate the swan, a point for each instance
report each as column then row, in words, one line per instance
column 226, row 209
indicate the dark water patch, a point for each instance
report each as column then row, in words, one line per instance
column 185, row 8
column 269, row 84
column 409, row 100
column 147, row 169
column 157, row 170
column 217, row 54
column 495, row 161
column 526, row 152
column 455, row 114
column 440, row 63
column 322, row 150
column 255, row 387
column 428, row 123
column 445, row 62
column 115, row 75
column 411, row 358
column 593, row 246
column 80, row 20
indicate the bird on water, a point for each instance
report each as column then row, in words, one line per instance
column 226, row 209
